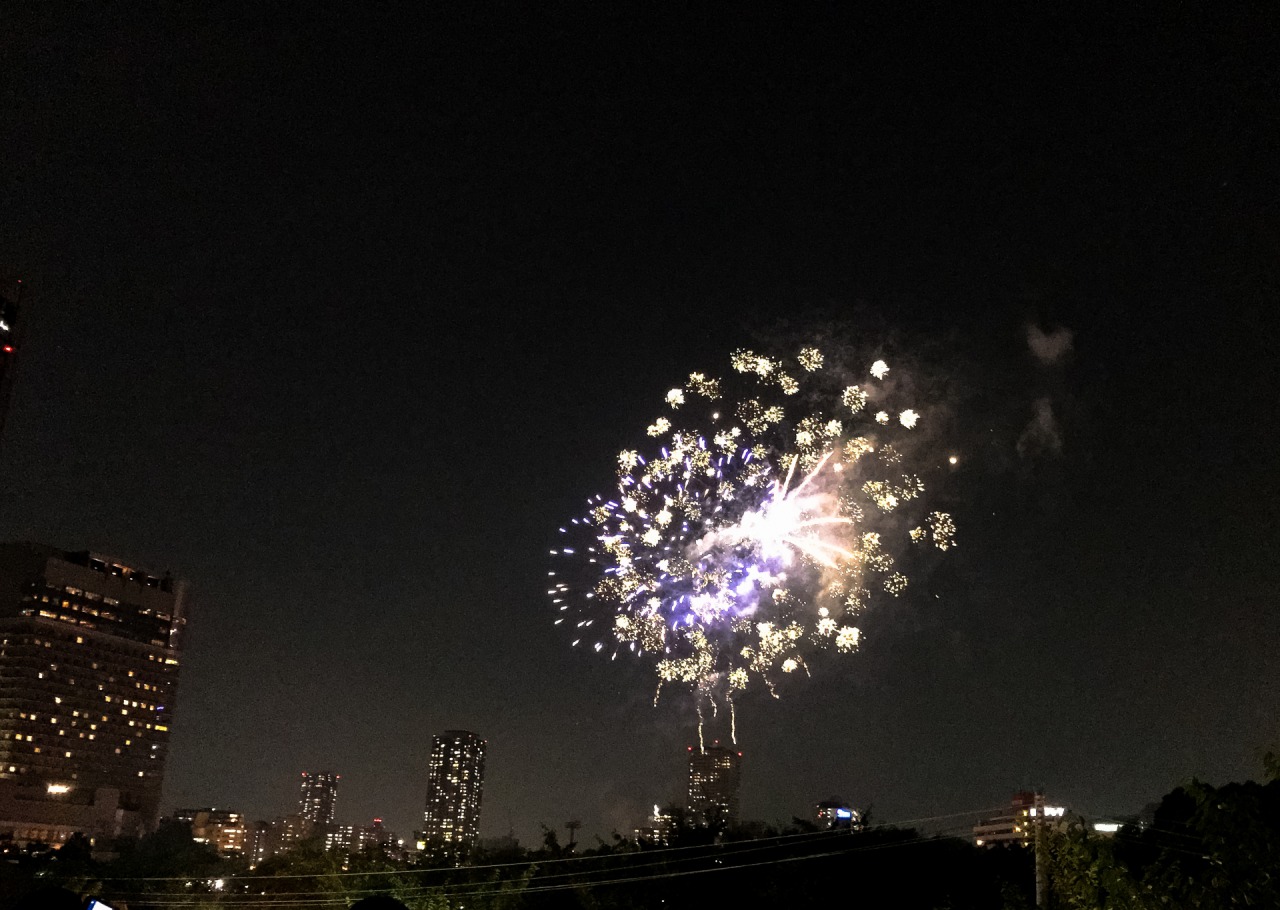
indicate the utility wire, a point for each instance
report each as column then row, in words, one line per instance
column 532, row 888
column 441, row 870
column 714, row 854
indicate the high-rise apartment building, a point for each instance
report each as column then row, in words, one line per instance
column 455, row 781
column 715, row 774
column 89, row 656
column 318, row 802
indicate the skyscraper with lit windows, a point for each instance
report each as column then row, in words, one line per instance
column 89, row 656
column 715, row 774
column 318, row 802
column 455, row 781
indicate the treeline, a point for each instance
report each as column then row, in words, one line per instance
column 797, row 866
column 1205, row 847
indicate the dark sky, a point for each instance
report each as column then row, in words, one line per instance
column 340, row 313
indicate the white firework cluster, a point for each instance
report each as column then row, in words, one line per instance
column 760, row 521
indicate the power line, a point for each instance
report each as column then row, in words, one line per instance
column 712, row 852
column 566, row 859
column 299, row 900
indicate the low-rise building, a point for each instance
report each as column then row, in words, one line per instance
column 50, row 816
column 351, row 839
column 1017, row 825
column 265, row 839
column 222, row 829
column 657, row 833
column 836, row 813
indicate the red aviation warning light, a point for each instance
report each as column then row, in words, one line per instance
column 10, row 339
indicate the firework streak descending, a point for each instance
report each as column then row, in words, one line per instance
column 757, row 529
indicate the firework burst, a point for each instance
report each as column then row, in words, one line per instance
column 760, row 523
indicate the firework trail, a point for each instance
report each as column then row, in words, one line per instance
column 761, row 521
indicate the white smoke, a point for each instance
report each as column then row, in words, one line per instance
column 1042, row 436
column 1049, row 347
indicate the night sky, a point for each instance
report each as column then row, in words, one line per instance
column 339, row 314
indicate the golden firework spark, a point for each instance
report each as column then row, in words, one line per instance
column 743, row 536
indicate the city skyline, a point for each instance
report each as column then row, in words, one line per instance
column 339, row 318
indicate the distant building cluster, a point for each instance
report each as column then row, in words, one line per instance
column 221, row 829
column 712, row 787
column 1029, row 812
column 90, row 648
column 455, row 783
column 316, row 818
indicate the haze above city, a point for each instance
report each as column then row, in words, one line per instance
column 339, row 316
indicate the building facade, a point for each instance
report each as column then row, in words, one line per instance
column 89, row 656
column 836, row 813
column 265, row 839
column 222, row 829
column 715, row 776
column 258, row 842
column 455, row 784
column 1017, row 825
column 658, row 829
column 318, row 802
column 351, row 839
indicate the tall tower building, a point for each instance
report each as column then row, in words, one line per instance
column 89, row 656
column 715, row 775
column 319, row 799
column 455, row 781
